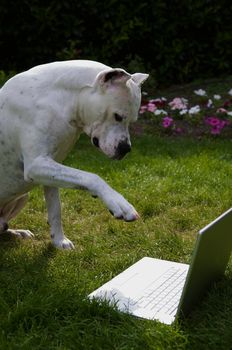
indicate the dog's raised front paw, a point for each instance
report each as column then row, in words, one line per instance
column 64, row 243
column 120, row 208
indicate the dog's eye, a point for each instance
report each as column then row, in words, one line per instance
column 118, row 117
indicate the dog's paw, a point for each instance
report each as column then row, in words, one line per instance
column 128, row 218
column 21, row 233
column 120, row 208
column 64, row 243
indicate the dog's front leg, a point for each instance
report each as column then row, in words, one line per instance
column 45, row 171
column 54, row 218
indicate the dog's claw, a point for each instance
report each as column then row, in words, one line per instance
column 127, row 218
column 133, row 217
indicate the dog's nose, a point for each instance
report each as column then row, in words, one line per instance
column 122, row 149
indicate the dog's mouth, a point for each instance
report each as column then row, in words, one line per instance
column 121, row 150
column 95, row 141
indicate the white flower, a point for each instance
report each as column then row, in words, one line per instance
column 194, row 110
column 229, row 113
column 217, row 97
column 183, row 111
column 161, row 99
column 160, row 111
column 200, row 92
column 230, row 92
column 209, row 103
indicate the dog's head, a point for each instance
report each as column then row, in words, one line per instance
column 113, row 102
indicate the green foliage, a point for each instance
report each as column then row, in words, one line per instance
column 175, row 40
column 4, row 76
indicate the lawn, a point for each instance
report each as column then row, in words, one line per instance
column 178, row 186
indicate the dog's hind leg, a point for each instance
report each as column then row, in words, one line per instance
column 8, row 212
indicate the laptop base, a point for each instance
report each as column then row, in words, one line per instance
column 150, row 288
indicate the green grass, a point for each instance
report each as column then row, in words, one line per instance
column 178, row 186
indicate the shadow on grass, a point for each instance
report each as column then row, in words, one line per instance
column 210, row 324
column 41, row 309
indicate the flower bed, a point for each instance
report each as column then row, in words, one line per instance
column 208, row 115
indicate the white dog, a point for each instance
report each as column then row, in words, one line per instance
column 42, row 113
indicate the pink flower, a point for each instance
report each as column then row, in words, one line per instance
column 178, row 103
column 167, row 121
column 216, row 124
column 143, row 109
column 225, row 122
column 151, row 107
column 227, row 103
column 213, row 121
column 221, row 110
column 175, row 113
column 215, row 130
column 178, row 130
column 159, row 102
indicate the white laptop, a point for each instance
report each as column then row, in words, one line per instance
column 164, row 290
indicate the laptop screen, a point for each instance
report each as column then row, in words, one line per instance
column 210, row 258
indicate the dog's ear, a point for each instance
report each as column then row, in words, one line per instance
column 111, row 76
column 139, row 78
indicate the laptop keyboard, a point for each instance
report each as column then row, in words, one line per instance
column 163, row 294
